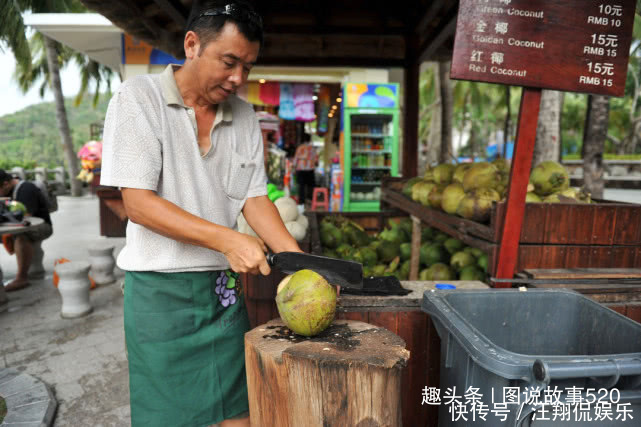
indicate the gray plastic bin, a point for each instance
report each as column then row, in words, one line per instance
column 535, row 340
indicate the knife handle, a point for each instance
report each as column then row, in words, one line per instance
column 270, row 259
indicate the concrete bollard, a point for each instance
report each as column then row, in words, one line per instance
column 102, row 262
column 19, row 172
column 40, row 174
column 37, row 269
column 74, row 288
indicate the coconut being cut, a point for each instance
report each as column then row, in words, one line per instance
column 306, row 302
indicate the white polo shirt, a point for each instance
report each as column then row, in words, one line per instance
column 150, row 142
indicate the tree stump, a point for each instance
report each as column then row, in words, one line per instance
column 349, row 375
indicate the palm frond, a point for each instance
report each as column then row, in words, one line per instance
column 12, row 31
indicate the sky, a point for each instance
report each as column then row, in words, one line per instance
column 12, row 97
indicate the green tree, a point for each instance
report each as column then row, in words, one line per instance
column 41, row 60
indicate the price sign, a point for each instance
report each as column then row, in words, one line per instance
column 570, row 45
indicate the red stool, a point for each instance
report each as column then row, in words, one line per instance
column 320, row 203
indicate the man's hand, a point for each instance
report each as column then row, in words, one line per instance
column 246, row 254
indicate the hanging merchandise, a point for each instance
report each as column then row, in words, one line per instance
column 269, row 93
column 253, row 90
column 323, row 109
column 304, row 102
column 287, row 111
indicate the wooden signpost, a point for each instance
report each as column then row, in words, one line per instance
column 569, row 45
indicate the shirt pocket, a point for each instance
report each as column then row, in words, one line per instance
column 239, row 176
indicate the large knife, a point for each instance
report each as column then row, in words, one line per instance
column 348, row 274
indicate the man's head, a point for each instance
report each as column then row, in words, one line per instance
column 222, row 41
column 6, row 183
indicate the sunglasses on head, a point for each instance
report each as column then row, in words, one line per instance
column 237, row 12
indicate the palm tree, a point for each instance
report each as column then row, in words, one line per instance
column 47, row 64
column 548, row 130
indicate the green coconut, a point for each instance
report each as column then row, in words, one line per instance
column 461, row 259
column 425, row 274
column 441, row 237
column 459, row 172
column 440, row 271
column 306, row 302
column 502, row 164
column 443, row 173
column 481, row 175
column 476, row 252
column 330, row 253
column 378, row 270
column 356, row 236
column 406, row 225
column 451, row 197
column 453, row 245
column 432, row 253
column 435, row 196
column 407, row 188
column 549, row 177
column 406, row 251
column 531, row 197
column 366, row 256
column 477, row 205
column 404, row 271
column 427, row 233
column 483, row 262
column 330, row 236
column 471, row 272
column 421, row 192
column 428, row 175
column 344, row 251
column 388, row 250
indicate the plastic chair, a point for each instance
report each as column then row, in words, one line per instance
column 320, row 203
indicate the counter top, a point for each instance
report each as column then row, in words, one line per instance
column 412, row 299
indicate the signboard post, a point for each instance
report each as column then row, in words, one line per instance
column 569, row 45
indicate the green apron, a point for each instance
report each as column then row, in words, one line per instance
column 185, row 345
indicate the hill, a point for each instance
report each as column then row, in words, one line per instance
column 31, row 135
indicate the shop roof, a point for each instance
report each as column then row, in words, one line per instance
column 371, row 33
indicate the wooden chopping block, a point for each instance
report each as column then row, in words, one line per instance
column 349, row 375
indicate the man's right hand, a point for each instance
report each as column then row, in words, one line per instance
column 246, row 254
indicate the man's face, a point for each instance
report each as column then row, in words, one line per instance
column 5, row 188
column 224, row 65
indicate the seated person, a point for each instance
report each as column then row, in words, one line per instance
column 33, row 199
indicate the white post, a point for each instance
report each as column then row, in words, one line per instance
column 74, row 288
column 40, row 174
column 20, row 172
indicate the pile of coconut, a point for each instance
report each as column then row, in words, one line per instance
column 295, row 222
column 470, row 189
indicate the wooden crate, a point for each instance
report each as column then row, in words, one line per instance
column 604, row 234
column 602, row 223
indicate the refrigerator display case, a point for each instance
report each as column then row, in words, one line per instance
column 371, row 143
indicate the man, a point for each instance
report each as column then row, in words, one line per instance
column 24, row 244
column 188, row 156
column 305, row 160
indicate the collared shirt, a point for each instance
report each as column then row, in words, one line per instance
column 151, row 142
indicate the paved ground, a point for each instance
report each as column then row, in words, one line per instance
column 630, row 196
column 83, row 360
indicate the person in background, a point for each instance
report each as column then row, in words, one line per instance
column 305, row 161
column 32, row 198
column 188, row 156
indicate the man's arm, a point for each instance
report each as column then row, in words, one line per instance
column 263, row 217
column 244, row 253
